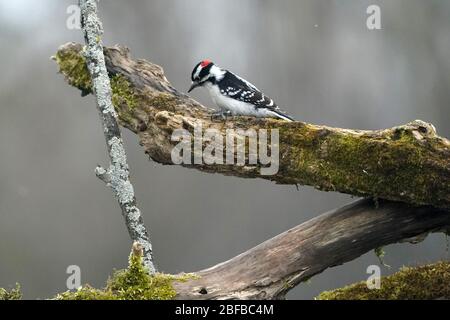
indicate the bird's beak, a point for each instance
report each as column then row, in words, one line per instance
column 193, row 86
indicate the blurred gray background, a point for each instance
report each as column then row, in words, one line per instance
column 317, row 59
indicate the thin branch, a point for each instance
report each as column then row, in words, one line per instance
column 271, row 269
column 408, row 163
column 117, row 175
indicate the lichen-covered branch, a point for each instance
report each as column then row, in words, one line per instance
column 117, row 175
column 409, row 163
column 271, row 269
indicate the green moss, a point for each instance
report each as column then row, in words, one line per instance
column 13, row 294
column 425, row 282
column 122, row 92
column 380, row 253
column 163, row 101
column 124, row 99
column 134, row 283
column 73, row 65
column 363, row 164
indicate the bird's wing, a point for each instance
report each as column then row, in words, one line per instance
column 247, row 92
column 249, row 85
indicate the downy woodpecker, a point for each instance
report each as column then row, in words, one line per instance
column 232, row 94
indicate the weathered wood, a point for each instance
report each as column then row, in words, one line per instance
column 409, row 163
column 271, row 269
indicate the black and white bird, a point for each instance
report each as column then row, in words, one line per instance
column 232, row 94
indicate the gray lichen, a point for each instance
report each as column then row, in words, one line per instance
column 117, row 175
column 119, row 172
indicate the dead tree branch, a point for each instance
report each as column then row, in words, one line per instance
column 409, row 163
column 117, row 175
column 271, row 269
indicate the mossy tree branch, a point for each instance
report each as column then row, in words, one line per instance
column 409, row 163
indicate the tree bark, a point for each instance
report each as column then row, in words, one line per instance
column 271, row 269
column 117, row 175
column 408, row 163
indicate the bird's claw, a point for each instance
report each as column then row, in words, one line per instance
column 221, row 115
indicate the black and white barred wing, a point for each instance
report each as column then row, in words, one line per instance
column 240, row 89
column 247, row 92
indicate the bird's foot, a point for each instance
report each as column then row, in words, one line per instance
column 220, row 115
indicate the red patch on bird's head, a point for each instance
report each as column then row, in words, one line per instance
column 205, row 63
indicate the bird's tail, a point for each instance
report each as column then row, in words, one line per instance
column 281, row 115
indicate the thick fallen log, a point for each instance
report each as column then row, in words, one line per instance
column 409, row 163
column 271, row 269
